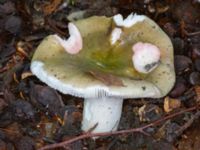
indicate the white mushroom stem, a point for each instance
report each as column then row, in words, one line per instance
column 104, row 112
column 74, row 43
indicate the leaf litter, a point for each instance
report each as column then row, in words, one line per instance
column 33, row 115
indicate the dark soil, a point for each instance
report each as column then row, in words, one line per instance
column 33, row 115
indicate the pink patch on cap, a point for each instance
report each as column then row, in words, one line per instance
column 146, row 57
column 74, row 43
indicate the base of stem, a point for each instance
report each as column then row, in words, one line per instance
column 102, row 114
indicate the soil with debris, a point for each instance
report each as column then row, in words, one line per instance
column 33, row 115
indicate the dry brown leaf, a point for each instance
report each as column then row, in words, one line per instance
column 106, row 78
column 51, row 7
column 197, row 91
column 171, row 104
column 21, row 51
column 3, row 104
column 26, row 74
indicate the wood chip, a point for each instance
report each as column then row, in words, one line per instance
column 171, row 104
column 25, row 75
column 51, row 7
column 197, row 91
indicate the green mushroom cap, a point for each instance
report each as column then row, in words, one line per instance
column 83, row 74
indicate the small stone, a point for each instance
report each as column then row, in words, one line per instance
column 194, row 78
column 171, row 104
column 13, row 24
column 182, row 63
column 170, row 29
column 178, row 44
column 195, row 52
column 46, row 97
column 179, row 88
column 197, row 64
column 23, row 110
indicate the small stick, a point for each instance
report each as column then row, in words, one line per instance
column 192, row 33
column 139, row 129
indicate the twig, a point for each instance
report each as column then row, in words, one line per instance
column 3, row 69
column 188, row 123
column 192, row 34
column 139, row 129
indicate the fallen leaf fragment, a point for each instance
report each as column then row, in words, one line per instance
column 51, row 7
column 149, row 112
column 197, row 91
column 25, row 75
column 171, row 104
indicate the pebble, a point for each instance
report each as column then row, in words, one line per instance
column 23, row 110
column 13, row 24
column 195, row 52
column 179, row 88
column 194, row 78
column 182, row 63
column 197, row 64
column 178, row 44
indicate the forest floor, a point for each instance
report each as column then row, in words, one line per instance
column 32, row 114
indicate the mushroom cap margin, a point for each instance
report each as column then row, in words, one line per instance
column 70, row 80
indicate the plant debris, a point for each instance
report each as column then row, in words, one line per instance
column 33, row 115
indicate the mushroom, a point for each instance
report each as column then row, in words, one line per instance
column 133, row 52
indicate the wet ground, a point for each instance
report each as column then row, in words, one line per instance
column 33, row 115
